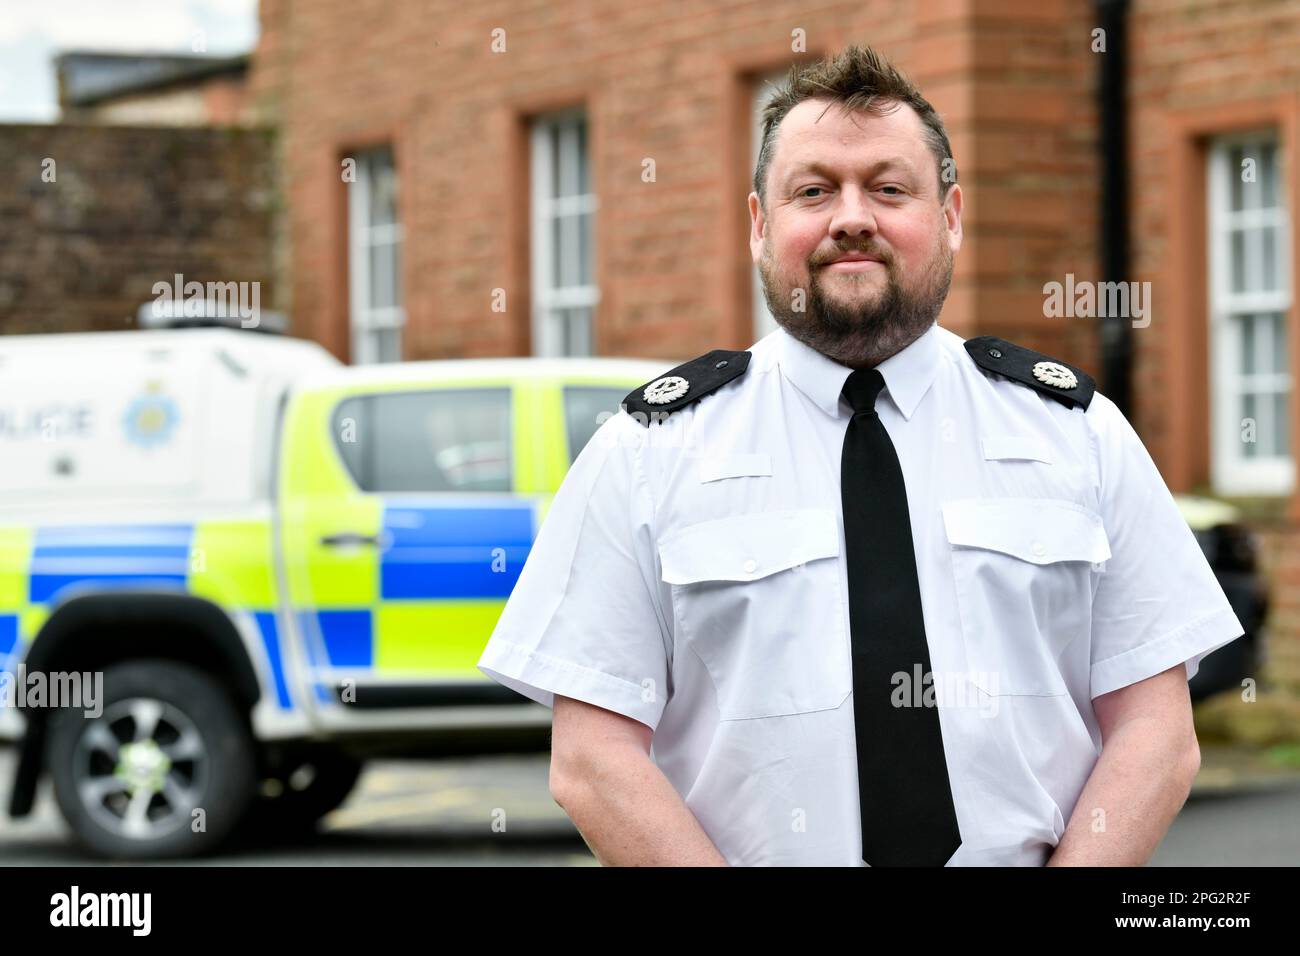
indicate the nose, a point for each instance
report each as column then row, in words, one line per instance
column 853, row 216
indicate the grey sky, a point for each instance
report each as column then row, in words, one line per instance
column 32, row 32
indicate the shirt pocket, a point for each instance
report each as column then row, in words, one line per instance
column 758, row 598
column 1023, row 570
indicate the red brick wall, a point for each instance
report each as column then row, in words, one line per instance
column 667, row 81
column 1280, row 560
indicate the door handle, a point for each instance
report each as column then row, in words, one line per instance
column 349, row 539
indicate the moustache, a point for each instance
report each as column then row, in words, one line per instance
column 873, row 253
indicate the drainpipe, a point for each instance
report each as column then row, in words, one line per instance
column 1116, row 333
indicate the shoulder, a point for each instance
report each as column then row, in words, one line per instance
column 1066, row 383
column 685, row 384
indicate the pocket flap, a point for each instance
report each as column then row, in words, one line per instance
column 748, row 547
column 1023, row 447
column 734, row 466
column 1038, row 530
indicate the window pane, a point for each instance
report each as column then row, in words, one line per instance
column 1268, row 175
column 584, row 172
column 351, row 428
column 1263, row 402
column 388, row 344
column 581, row 319
column 568, row 134
column 1254, row 261
column 584, row 249
column 554, row 252
column 574, row 332
column 1237, row 253
column 561, row 318
column 383, row 275
column 383, row 189
column 453, row 440
column 1263, row 342
column 1281, row 361
column 583, row 406
column 1234, row 174
column 568, row 250
column 553, row 144
column 1247, row 323
column 1250, row 448
column 1281, row 425
column 1268, row 258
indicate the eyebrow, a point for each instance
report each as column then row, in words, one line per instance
column 823, row 170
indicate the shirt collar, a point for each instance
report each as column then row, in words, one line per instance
column 908, row 373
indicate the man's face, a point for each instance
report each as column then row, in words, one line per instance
column 843, row 184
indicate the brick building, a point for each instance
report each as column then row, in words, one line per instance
column 569, row 177
column 595, row 256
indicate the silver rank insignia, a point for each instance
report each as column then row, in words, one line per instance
column 1054, row 374
column 1071, row 387
column 668, row 389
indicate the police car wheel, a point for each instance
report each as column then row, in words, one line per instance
column 305, row 788
column 166, row 770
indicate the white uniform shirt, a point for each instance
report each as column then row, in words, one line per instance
column 692, row 575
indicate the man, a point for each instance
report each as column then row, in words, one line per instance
column 865, row 593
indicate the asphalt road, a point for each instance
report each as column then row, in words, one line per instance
column 442, row 813
column 403, row 813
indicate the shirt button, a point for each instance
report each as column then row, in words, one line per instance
column 750, row 566
column 1039, row 549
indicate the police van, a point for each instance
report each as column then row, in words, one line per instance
column 274, row 565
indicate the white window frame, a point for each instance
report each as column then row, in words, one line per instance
column 554, row 334
column 1233, row 473
column 762, row 319
column 366, row 322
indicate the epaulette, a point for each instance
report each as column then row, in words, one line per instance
column 1066, row 383
column 686, row 383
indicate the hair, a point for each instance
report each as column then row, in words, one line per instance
column 860, row 79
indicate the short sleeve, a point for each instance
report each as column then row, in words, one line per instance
column 1157, row 602
column 584, row 620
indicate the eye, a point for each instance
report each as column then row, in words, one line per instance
column 805, row 191
column 898, row 190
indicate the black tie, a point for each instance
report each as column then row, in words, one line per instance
column 906, row 801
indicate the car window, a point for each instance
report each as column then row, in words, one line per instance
column 583, row 405
column 437, row 440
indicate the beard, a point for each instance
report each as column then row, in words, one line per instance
column 878, row 321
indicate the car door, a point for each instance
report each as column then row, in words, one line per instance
column 408, row 510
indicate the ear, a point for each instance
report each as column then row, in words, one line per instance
column 952, row 217
column 757, row 228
